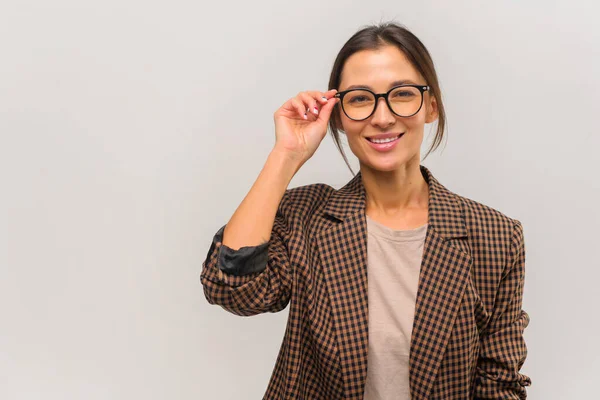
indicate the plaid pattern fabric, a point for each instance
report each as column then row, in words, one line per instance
column 467, row 340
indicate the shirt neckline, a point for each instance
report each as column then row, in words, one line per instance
column 400, row 235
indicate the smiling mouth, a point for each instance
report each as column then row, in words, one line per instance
column 383, row 141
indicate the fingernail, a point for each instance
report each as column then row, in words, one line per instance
column 316, row 110
column 305, row 117
column 324, row 98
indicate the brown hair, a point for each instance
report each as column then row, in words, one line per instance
column 374, row 37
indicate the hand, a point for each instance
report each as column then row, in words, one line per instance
column 298, row 128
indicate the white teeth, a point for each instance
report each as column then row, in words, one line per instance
column 384, row 140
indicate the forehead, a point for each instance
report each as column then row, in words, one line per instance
column 377, row 68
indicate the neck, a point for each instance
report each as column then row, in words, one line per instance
column 391, row 193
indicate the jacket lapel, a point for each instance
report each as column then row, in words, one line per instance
column 343, row 251
column 444, row 271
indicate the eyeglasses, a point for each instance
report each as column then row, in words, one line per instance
column 403, row 100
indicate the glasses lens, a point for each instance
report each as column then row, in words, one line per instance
column 358, row 104
column 405, row 100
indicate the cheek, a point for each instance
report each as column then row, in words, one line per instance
column 354, row 138
column 352, row 128
column 353, row 141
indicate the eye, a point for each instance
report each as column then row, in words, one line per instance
column 404, row 93
column 358, row 99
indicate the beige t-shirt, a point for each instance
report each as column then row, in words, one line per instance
column 393, row 266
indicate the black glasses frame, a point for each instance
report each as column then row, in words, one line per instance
column 340, row 95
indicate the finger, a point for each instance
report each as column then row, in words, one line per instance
column 311, row 115
column 326, row 110
column 330, row 93
column 310, row 101
column 299, row 107
column 322, row 97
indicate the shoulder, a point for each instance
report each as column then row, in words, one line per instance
column 305, row 200
column 313, row 192
column 486, row 222
column 483, row 213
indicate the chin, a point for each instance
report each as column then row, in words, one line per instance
column 385, row 166
column 389, row 164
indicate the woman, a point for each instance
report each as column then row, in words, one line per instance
column 439, row 316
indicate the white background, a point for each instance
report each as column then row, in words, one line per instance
column 131, row 130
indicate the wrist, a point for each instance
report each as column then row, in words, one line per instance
column 287, row 162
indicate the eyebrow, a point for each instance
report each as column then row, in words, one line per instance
column 395, row 83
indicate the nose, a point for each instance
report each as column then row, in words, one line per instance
column 383, row 116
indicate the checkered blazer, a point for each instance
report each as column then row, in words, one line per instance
column 467, row 339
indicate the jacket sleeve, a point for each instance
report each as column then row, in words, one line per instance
column 252, row 279
column 502, row 347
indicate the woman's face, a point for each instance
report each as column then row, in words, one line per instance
column 380, row 70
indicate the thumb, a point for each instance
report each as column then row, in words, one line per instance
column 325, row 112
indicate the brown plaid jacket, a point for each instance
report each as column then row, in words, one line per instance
column 467, row 340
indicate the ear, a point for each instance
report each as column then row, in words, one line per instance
column 432, row 109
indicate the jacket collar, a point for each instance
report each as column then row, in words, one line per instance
column 445, row 215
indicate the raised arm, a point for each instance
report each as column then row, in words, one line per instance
column 247, row 269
